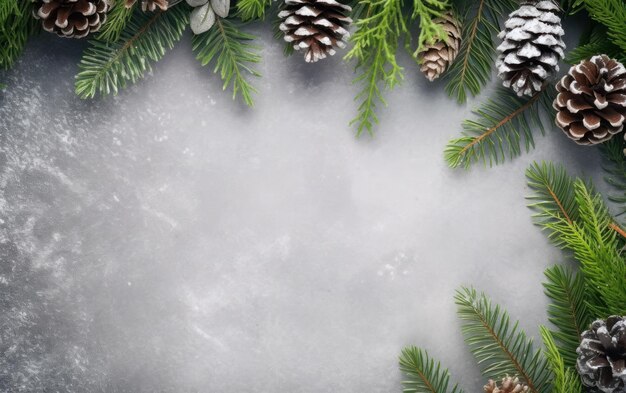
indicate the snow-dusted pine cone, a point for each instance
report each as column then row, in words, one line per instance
column 149, row 5
column 532, row 46
column 71, row 18
column 591, row 103
column 507, row 385
column 437, row 57
column 315, row 26
column 602, row 356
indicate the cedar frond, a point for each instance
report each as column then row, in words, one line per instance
column 107, row 67
column 375, row 45
column 424, row 374
column 500, row 346
column 500, row 126
column 568, row 310
column 231, row 51
column 430, row 32
column 472, row 68
column 566, row 379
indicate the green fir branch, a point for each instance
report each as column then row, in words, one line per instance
column 566, row 379
column 499, row 128
column 231, row 51
column 252, row 9
column 16, row 26
column 592, row 44
column 472, row 68
column 500, row 346
column 567, row 311
column 614, row 165
column 424, row 374
column 592, row 237
column 375, row 45
column 553, row 192
column 117, row 18
column 612, row 14
column 430, row 31
column 106, row 68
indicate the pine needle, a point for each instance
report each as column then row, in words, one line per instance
column 107, row 67
column 500, row 346
column 472, row 68
column 566, row 379
column 16, row 26
column 232, row 53
column 615, row 167
column 423, row 373
column 252, row 9
column 612, row 14
column 117, row 18
column 499, row 128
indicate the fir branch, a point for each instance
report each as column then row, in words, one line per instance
column 472, row 68
column 252, row 9
column 424, row 374
column 553, row 191
column 566, row 379
column 567, row 311
column 375, row 45
column 232, row 53
column 612, row 14
column 430, row 32
column 500, row 347
column 614, row 164
column 592, row 240
column 16, row 26
column 107, row 67
column 500, row 126
column 592, row 44
column 117, row 18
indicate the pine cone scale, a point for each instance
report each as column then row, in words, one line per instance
column 435, row 58
column 71, row 18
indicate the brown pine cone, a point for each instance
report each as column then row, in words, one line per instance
column 437, row 57
column 71, row 18
column 591, row 103
column 149, row 5
column 601, row 359
column 315, row 26
column 507, row 385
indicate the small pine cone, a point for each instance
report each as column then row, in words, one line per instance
column 532, row 46
column 601, row 359
column 507, row 385
column 149, row 5
column 591, row 103
column 315, row 26
column 437, row 57
column 71, row 18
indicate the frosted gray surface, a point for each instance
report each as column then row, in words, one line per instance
column 172, row 240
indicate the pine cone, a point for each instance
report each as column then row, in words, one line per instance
column 71, row 18
column 437, row 57
column 508, row 385
column 315, row 26
column 602, row 356
column 149, row 5
column 591, row 103
column 532, row 46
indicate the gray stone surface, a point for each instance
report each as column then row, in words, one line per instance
column 172, row 240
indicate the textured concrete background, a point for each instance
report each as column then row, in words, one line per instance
column 171, row 240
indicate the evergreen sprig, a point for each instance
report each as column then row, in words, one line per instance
column 252, row 9
column 591, row 237
column 375, row 45
column 16, row 26
column 231, row 51
column 427, row 11
column 567, row 311
column 424, row 374
column 615, row 167
column 117, row 18
column 500, row 346
column 566, row 379
column 612, row 14
column 500, row 126
column 594, row 43
column 107, row 67
column 472, row 68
